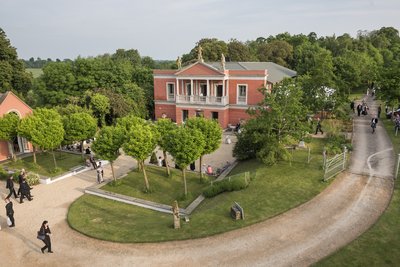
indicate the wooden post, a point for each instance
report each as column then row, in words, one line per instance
column 309, row 155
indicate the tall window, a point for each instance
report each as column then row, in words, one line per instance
column 242, row 94
column 170, row 91
column 189, row 88
column 203, row 89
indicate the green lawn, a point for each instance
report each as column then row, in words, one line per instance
column 35, row 72
column 45, row 163
column 358, row 93
column 380, row 245
column 270, row 193
column 163, row 189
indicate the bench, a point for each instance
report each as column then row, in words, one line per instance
column 237, row 212
column 77, row 168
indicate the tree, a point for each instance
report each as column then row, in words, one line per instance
column 47, row 129
column 212, row 50
column 108, row 142
column 211, row 132
column 12, row 71
column 100, row 106
column 389, row 83
column 277, row 51
column 185, row 145
column 79, row 127
column 26, row 128
column 140, row 141
column 164, row 128
column 8, row 130
column 278, row 121
column 238, row 51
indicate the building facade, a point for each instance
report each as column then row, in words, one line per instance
column 10, row 103
column 218, row 90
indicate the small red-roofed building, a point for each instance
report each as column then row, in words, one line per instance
column 218, row 90
column 10, row 103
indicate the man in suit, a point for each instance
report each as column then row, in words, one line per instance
column 10, row 211
column 25, row 191
column 10, row 186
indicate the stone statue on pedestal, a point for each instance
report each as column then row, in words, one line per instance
column 223, row 61
column 200, row 54
column 175, row 212
column 179, row 63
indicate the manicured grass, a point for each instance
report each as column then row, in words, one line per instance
column 163, row 189
column 45, row 163
column 35, row 72
column 271, row 192
column 380, row 245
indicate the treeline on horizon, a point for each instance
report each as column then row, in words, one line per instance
column 125, row 77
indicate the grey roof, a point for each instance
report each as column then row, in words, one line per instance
column 276, row 73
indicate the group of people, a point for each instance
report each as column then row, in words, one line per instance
column 98, row 167
column 24, row 191
column 362, row 109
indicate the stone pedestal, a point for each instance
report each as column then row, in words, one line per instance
column 175, row 213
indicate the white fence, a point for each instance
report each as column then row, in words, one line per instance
column 334, row 165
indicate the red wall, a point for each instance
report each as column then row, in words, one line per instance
column 253, row 94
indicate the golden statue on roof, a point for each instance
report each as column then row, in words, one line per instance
column 179, row 63
column 222, row 61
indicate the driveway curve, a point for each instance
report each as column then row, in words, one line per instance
column 299, row 237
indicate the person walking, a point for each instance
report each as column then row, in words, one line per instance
column 359, row 108
column 319, row 127
column 45, row 230
column 352, row 105
column 100, row 173
column 10, row 211
column 10, row 186
column 374, row 122
column 25, row 191
column 379, row 111
column 21, row 177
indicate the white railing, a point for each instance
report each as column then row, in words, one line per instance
column 171, row 97
column 242, row 100
column 197, row 99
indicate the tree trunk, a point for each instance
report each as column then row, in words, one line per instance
column 201, row 164
column 166, row 163
column 11, row 149
column 34, row 153
column 145, row 176
column 112, row 170
column 184, row 179
column 54, row 158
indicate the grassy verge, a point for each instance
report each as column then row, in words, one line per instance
column 270, row 193
column 163, row 189
column 45, row 163
column 380, row 245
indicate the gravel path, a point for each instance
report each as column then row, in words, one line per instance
column 299, row 237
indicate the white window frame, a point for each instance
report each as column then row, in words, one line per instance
column 237, row 93
column 167, row 89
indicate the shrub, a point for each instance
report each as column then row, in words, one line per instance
column 3, row 174
column 32, row 178
column 225, row 185
column 153, row 158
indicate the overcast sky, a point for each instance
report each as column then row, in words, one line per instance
column 165, row 29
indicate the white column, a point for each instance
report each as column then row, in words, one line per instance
column 177, row 86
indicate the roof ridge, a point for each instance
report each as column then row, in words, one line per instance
column 240, row 63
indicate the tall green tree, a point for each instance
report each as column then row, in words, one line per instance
column 27, row 128
column 212, row 134
column 278, row 120
column 164, row 128
column 107, row 145
column 12, row 71
column 79, row 127
column 48, row 130
column 139, row 144
column 100, row 105
column 9, row 131
column 185, row 145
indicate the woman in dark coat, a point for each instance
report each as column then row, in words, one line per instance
column 45, row 230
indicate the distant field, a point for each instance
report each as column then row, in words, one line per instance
column 35, row 72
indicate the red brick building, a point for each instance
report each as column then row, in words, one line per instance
column 10, row 103
column 217, row 90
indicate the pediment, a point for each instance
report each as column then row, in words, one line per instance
column 199, row 69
